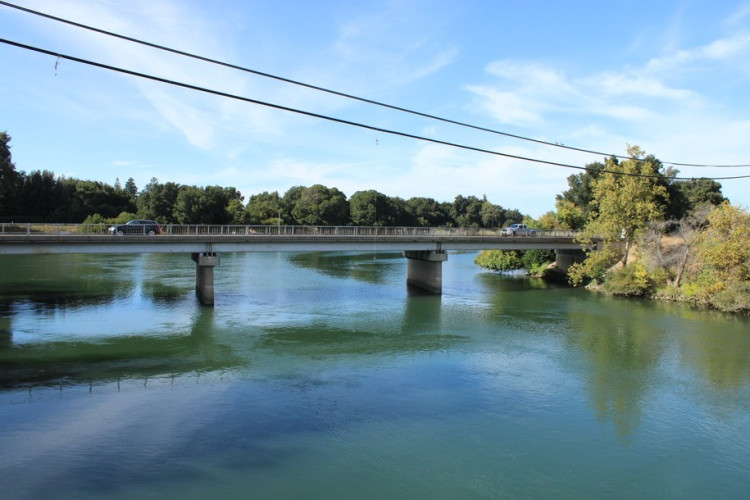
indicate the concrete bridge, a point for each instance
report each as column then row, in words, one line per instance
column 424, row 248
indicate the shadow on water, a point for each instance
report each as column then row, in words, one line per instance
column 367, row 267
column 46, row 283
column 109, row 359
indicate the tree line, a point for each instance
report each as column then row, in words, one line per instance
column 41, row 196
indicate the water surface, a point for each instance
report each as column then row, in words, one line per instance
column 323, row 376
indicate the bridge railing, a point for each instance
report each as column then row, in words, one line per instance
column 275, row 230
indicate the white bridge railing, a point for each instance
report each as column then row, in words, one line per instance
column 274, row 230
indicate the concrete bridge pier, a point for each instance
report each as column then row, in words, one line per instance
column 565, row 258
column 424, row 269
column 204, row 276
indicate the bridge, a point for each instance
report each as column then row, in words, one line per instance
column 424, row 248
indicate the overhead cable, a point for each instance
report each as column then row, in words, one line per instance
column 331, row 118
column 338, row 93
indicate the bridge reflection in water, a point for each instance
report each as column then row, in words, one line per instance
column 425, row 248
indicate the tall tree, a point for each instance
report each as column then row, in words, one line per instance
column 627, row 197
column 687, row 196
column 370, row 208
column 320, row 205
column 492, row 215
column 467, row 211
column 9, row 178
column 266, row 208
column 288, row 202
column 157, row 201
column 577, row 202
column 44, row 197
column 131, row 189
column 426, row 212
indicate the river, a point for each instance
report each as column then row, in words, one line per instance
column 323, row 376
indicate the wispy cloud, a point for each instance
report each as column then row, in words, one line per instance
column 733, row 50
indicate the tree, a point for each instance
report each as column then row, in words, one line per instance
column 426, row 212
column 627, row 197
column 512, row 216
column 9, row 178
column 237, row 213
column 687, row 196
column 319, row 205
column 266, row 208
column 673, row 257
column 577, row 201
column 131, row 189
column 292, row 195
column 157, row 201
column 725, row 244
column 369, row 208
column 467, row 211
column 43, row 196
column 206, row 205
column 722, row 277
column 492, row 215
column 85, row 198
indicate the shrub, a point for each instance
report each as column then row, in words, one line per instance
column 500, row 260
column 631, row 281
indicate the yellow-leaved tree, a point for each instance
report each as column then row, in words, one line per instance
column 627, row 195
column 722, row 277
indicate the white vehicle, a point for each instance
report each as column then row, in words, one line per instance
column 519, row 230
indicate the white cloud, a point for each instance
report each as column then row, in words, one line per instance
column 615, row 84
column 508, row 107
column 734, row 50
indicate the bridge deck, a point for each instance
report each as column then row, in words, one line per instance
column 190, row 239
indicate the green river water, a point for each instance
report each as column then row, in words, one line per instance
column 321, row 376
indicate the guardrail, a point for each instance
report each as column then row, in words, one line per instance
column 276, row 230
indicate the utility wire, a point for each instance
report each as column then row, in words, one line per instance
column 337, row 93
column 331, row 118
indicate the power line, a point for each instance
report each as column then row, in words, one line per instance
column 338, row 93
column 329, row 118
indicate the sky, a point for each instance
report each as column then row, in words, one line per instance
column 671, row 77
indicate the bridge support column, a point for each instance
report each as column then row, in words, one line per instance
column 424, row 269
column 204, row 276
column 565, row 258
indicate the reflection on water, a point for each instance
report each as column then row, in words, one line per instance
column 325, row 373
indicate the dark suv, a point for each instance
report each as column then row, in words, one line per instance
column 140, row 226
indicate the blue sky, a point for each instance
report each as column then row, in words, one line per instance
column 670, row 76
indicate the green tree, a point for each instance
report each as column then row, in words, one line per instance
column 10, row 179
column 512, row 216
column 467, row 211
column 500, row 260
column 157, row 201
column 266, row 208
column 208, row 205
column 320, row 205
column 627, row 197
column 369, row 208
column 292, row 195
column 91, row 197
column 426, row 212
column 491, row 215
column 687, row 196
column 131, row 189
column 577, row 202
column 43, row 196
